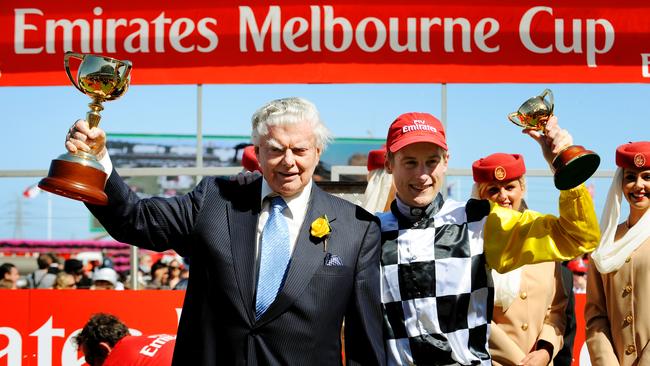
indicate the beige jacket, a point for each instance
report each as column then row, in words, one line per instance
column 538, row 314
column 616, row 312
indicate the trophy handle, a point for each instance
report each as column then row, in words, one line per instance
column 550, row 98
column 514, row 118
column 127, row 71
column 123, row 82
column 66, row 65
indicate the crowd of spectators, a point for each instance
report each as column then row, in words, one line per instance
column 55, row 273
column 166, row 273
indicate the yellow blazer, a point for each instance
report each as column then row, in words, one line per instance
column 616, row 312
column 537, row 314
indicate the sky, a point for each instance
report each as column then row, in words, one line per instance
column 35, row 120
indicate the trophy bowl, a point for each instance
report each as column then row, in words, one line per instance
column 80, row 176
column 534, row 112
column 574, row 164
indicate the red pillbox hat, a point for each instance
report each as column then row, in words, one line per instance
column 413, row 127
column 498, row 167
column 633, row 155
column 249, row 160
column 376, row 159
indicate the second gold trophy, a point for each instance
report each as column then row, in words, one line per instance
column 573, row 165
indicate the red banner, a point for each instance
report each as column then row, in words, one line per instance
column 580, row 353
column 37, row 326
column 202, row 41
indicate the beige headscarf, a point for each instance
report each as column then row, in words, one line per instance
column 610, row 255
column 377, row 191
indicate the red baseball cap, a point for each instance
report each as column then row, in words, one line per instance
column 376, row 159
column 578, row 265
column 414, row 127
column 498, row 167
column 249, row 159
column 633, row 155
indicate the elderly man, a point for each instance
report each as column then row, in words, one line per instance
column 276, row 264
column 437, row 289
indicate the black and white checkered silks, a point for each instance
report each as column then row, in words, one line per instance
column 437, row 291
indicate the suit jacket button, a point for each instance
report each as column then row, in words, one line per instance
column 630, row 349
column 524, row 326
column 627, row 289
column 628, row 259
column 523, row 295
column 628, row 320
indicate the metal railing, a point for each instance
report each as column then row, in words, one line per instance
column 336, row 172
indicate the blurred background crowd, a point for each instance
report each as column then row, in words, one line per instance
column 155, row 272
column 52, row 271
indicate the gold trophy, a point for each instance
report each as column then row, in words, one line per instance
column 80, row 176
column 574, row 164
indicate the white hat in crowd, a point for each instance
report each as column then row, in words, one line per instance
column 106, row 274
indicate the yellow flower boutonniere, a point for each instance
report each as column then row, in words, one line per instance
column 320, row 228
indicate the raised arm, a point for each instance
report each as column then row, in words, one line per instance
column 513, row 239
column 154, row 223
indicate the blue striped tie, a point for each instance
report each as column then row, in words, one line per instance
column 274, row 257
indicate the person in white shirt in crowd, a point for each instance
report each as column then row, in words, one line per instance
column 45, row 275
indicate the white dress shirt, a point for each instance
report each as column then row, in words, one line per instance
column 294, row 213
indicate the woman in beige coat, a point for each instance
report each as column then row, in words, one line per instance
column 618, row 282
column 529, row 313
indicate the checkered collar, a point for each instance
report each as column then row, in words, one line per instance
column 411, row 215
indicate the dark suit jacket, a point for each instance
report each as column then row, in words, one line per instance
column 215, row 226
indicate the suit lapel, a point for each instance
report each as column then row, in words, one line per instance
column 308, row 256
column 242, row 221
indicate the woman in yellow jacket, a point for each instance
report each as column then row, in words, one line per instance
column 529, row 314
column 618, row 279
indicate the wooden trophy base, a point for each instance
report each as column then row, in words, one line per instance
column 77, row 181
column 573, row 166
